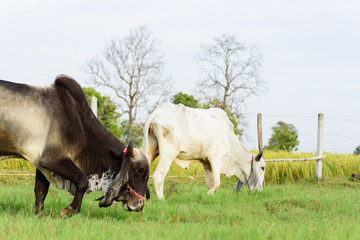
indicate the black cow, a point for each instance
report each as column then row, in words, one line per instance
column 54, row 128
column 355, row 176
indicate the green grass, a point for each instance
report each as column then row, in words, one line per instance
column 306, row 209
column 292, row 205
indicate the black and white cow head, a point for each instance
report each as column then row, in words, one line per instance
column 130, row 183
column 257, row 174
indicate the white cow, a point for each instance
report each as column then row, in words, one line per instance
column 178, row 133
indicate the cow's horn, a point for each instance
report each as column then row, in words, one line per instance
column 131, row 151
column 258, row 157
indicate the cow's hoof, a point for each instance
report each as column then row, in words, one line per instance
column 67, row 212
column 211, row 191
column 161, row 197
column 40, row 214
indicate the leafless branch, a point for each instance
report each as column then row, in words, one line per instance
column 132, row 67
column 230, row 72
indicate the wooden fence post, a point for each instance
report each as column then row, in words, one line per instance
column 319, row 145
column 259, row 130
column 93, row 105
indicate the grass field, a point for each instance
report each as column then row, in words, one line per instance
column 293, row 205
column 308, row 209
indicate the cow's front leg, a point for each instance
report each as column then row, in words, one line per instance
column 68, row 170
column 215, row 175
column 208, row 175
column 41, row 190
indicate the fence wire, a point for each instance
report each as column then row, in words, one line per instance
column 337, row 136
column 342, row 120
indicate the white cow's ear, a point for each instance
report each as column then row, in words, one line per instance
column 130, row 150
column 258, row 157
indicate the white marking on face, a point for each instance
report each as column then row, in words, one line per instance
column 103, row 183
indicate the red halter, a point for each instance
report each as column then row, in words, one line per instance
column 125, row 151
column 251, row 170
column 133, row 192
column 128, row 188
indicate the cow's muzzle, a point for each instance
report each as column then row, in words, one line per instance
column 135, row 202
column 136, row 205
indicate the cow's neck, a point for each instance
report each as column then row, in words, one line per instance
column 237, row 161
column 96, row 153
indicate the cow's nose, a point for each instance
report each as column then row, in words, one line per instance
column 141, row 205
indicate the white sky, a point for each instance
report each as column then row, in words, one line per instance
column 311, row 51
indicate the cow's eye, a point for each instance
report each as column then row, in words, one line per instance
column 140, row 172
column 263, row 168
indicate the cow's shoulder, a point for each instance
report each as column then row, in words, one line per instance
column 221, row 116
column 73, row 88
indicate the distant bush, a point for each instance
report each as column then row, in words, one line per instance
column 357, row 150
column 284, row 137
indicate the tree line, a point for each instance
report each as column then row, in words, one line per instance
column 132, row 68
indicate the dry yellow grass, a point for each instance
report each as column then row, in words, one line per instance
column 17, row 164
column 335, row 165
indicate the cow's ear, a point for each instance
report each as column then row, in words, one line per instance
column 130, row 150
column 258, row 157
column 117, row 184
column 147, row 192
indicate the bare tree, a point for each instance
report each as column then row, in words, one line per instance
column 231, row 71
column 132, row 67
column 231, row 74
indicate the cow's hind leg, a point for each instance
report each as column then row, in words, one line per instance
column 167, row 155
column 41, row 190
column 68, row 170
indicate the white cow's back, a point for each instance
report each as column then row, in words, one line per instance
column 198, row 132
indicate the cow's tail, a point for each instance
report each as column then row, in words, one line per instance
column 146, row 129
